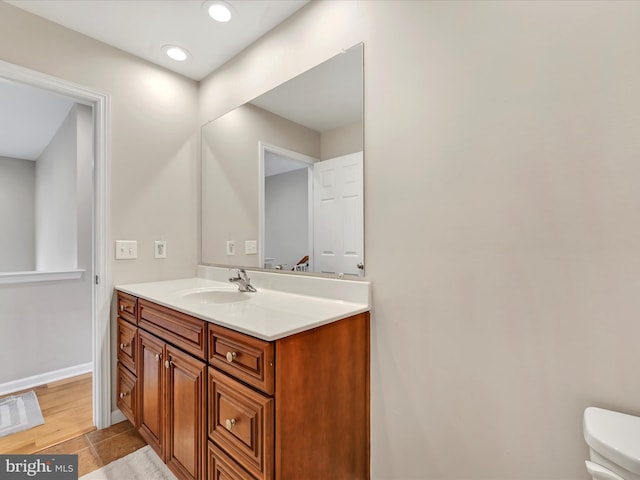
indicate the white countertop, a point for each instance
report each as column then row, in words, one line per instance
column 269, row 313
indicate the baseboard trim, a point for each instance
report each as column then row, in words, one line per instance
column 43, row 378
column 117, row 416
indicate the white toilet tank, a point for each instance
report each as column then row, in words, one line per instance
column 614, row 444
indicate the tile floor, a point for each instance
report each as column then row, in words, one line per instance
column 100, row 447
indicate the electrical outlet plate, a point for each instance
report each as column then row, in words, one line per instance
column 160, row 249
column 126, row 249
column 231, row 247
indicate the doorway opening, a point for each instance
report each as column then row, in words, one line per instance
column 96, row 273
column 286, row 209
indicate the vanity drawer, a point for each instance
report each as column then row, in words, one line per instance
column 221, row 467
column 247, row 358
column 241, row 422
column 127, row 394
column 182, row 330
column 128, row 307
column 127, row 344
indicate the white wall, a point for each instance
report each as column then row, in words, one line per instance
column 56, row 199
column 286, row 203
column 501, row 226
column 17, row 212
column 154, row 163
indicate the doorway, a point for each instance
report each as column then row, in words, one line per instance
column 97, row 272
column 286, row 209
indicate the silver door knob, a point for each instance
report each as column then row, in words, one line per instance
column 360, row 266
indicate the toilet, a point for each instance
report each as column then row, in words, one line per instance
column 614, row 444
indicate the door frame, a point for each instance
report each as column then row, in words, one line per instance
column 101, row 295
column 301, row 157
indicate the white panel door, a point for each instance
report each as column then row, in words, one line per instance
column 338, row 215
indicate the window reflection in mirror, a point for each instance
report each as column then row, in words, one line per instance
column 42, row 135
column 282, row 176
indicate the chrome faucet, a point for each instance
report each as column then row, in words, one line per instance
column 242, row 279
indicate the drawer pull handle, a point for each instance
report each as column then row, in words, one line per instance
column 158, row 356
column 231, row 356
column 230, row 423
column 123, row 394
column 124, row 345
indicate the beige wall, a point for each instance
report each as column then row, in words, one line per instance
column 501, row 225
column 230, row 206
column 153, row 147
column 501, row 228
column 342, row 141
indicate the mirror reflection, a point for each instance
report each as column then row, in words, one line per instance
column 282, row 176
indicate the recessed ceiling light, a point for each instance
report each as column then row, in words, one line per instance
column 176, row 53
column 218, row 10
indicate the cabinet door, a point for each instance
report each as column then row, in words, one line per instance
column 150, row 384
column 221, row 467
column 186, row 434
column 127, row 394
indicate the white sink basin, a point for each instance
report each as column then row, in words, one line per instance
column 215, row 296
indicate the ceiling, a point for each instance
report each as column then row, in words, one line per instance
column 325, row 97
column 143, row 27
column 29, row 118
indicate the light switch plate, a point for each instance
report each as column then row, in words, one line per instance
column 126, row 249
column 250, row 247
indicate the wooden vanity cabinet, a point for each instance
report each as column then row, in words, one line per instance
column 217, row 404
column 296, row 408
column 172, row 394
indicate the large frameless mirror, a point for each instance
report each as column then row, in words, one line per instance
column 282, row 175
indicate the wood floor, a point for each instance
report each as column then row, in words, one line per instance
column 67, row 408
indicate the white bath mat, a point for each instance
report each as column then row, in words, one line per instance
column 19, row 412
column 143, row 464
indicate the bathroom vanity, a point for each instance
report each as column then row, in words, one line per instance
column 248, row 386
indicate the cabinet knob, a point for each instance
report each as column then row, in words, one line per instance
column 122, row 308
column 230, row 423
column 158, row 356
column 231, row 356
column 167, row 364
column 123, row 394
column 124, row 345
